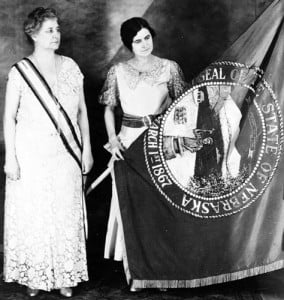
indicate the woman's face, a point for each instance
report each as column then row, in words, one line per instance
column 48, row 36
column 142, row 44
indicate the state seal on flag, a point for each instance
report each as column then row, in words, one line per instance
column 216, row 148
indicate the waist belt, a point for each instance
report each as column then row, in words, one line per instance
column 136, row 121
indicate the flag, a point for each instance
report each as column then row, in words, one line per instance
column 201, row 191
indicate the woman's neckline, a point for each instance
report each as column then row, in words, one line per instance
column 154, row 65
column 58, row 61
column 58, row 66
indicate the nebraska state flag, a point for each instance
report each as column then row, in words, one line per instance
column 201, row 191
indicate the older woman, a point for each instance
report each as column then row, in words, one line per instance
column 47, row 150
column 143, row 86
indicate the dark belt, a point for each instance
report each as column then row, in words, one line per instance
column 136, row 121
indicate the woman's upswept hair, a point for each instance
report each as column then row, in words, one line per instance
column 130, row 28
column 35, row 19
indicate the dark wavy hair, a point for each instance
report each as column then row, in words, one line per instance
column 35, row 19
column 130, row 28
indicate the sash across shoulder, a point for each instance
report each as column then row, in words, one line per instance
column 52, row 107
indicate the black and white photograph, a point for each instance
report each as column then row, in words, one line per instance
column 141, row 149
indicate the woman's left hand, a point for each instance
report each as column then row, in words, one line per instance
column 87, row 162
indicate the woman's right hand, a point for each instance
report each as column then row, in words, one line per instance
column 116, row 148
column 12, row 169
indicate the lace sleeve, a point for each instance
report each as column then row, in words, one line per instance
column 74, row 70
column 109, row 94
column 176, row 84
column 78, row 74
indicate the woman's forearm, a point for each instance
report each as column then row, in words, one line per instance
column 83, row 123
column 110, row 122
column 114, row 142
column 87, row 157
column 84, row 129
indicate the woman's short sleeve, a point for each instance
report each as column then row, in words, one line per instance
column 176, row 84
column 109, row 94
column 79, row 77
column 15, row 80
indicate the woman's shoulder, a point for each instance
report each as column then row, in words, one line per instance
column 163, row 60
column 118, row 65
column 112, row 70
column 14, row 77
column 68, row 62
column 69, row 70
column 16, row 64
column 171, row 63
column 174, row 68
column 66, row 58
column 13, row 71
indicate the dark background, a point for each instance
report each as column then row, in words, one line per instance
column 191, row 32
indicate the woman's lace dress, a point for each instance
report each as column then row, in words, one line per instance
column 139, row 94
column 44, row 237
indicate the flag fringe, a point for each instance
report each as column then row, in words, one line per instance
column 136, row 283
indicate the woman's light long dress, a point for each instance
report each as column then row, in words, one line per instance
column 44, row 238
column 139, row 94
